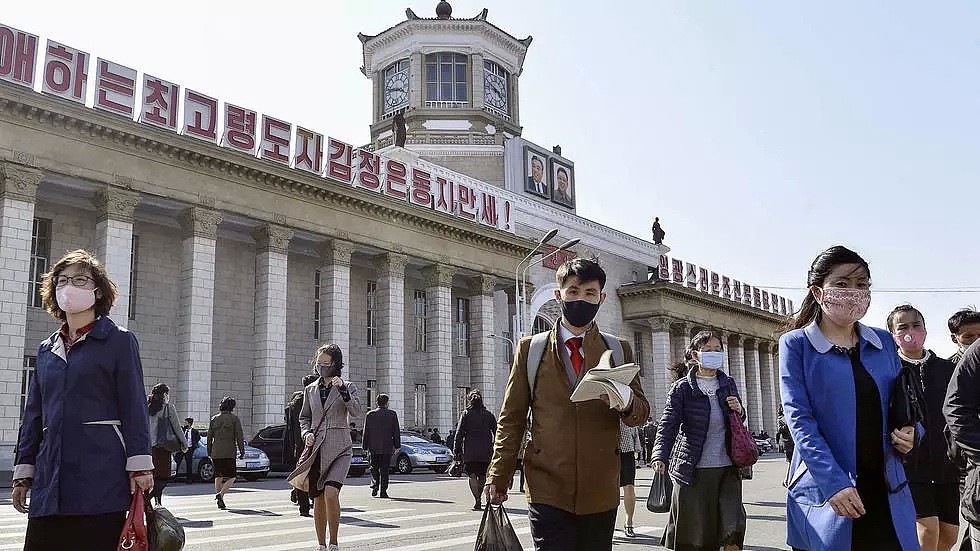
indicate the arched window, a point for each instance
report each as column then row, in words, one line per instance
column 396, row 83
column 496, row 96
column 446, row 82
column 542, row 324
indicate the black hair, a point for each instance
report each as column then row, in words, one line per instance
column 382, row 400
column 227, row 404
column 966, row 316
column 700, row 340
column 890, row 320
column 538, row 159
column 336, row 356
column 190, row 420
column 821, row 267
column 585, row 269
column 474, row 399
column 309, row 379
column 154, row 401
column 561, row 169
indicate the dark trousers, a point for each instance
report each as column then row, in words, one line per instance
column 83, row 532
column 380, row 468
column 188, row 459
column 554, row 529
column 648, row 448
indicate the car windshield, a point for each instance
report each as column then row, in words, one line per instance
column 407, row 438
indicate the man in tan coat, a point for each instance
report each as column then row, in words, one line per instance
column 570, row 463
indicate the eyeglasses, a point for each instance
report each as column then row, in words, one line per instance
column 82, row 281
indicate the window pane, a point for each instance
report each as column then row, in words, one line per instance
column 432, row 92
column 461, row 73
column 461, row 92
column 430, row 58
column 430, row 72
column 447, row 92
column 446, row 73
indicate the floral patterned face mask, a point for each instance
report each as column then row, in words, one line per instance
column 844, row 306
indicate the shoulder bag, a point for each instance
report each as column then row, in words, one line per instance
column 133, row 536
column 741, row 446
column 166, row 437
column 906, row 402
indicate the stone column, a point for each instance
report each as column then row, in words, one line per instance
column 680, row 339
column 335, row 295
column 271, row 276
column 770, row 394
column 753, row 385
column 417, row 79
column 439, row 341
column 390, row 344
column 476, row 64
column 114, row 243
column 736, row 361
column 661, row 354
column 482, row 346
column 18, row 189
column 196, row 316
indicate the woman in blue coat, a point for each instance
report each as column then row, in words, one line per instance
column 847, row 488
column 84, row 444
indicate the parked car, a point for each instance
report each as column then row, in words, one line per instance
column 256, row 464
column 765, row 445
column 270, row 440
column 418, row 453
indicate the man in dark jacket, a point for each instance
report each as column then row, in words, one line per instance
column 962, row 412
column 649, row 434
column 382, row 438
column 193, row 437
column 293, row 444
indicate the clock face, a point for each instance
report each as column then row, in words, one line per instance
column 396, row 91
column 495, row 91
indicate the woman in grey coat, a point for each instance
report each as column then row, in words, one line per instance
column 328, row 405
column 167, row 435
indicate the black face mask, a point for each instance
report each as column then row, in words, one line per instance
column 328, row 372
column 579, row 313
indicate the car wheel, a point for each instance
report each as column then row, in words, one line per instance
column 206, row 471
column 440, row 470
column 404, row 464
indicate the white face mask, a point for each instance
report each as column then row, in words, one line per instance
column 73, row 300
column 712, row 360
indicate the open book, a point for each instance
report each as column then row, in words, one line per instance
column 606, row 379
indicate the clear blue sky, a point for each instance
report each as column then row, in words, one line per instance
column 760, row 132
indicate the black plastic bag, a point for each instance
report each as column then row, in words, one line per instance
column 660, row 490
column 496, row 532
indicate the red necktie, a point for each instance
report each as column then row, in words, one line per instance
column 574, row 344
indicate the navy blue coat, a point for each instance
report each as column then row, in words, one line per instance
column 683, row 427
column 85, row 424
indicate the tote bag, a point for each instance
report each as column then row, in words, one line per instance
column 496, row 532
column 741, row 446
column 166, row 437
column 133, row 536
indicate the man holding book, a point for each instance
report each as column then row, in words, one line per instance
column 571, row 464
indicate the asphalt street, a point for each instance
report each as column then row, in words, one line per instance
column 425, row 512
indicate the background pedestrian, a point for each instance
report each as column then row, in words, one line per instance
column 382, row 437
column 474, row 443
column 224, row 437
column 168, row 437
column 629, row 444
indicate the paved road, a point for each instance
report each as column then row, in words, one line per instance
column 426, row 512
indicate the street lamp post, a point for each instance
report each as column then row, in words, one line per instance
column 519, row 298
column 565, row 246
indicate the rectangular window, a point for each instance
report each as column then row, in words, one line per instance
column 420, row 406
column 372, row 386
column 26, row 376
column 638, row 350
column 459, row 405
column 40, row 260
column 372, row 291
column 133, row 276
column 420, row 314
column 316, row 305
column 446, row 80
column 462, row 327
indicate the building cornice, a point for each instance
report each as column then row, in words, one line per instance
column 27, row 108
column 698, row 298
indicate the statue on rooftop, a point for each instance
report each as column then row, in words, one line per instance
column 658, row 232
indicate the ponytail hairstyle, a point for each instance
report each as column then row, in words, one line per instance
column 154, row 401
column 821, row 268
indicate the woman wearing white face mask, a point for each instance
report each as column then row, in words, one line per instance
column 706, row 509
column 847, row 489
column 84, row 444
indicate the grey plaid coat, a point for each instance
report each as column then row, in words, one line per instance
column 332, row 441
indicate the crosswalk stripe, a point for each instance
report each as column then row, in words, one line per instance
column 434, row 528
column 442, row 544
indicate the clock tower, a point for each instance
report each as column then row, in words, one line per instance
column 455, row 80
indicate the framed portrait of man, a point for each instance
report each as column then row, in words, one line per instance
column 562, row 183
column 535, row 172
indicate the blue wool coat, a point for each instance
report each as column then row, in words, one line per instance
column 820, row 409
column 85, row 424
column 683, row 427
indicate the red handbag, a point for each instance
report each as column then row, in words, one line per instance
column 134, row 536
column 741, row 446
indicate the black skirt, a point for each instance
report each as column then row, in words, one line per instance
column 627, row 469
column 225, row 468
column 81, row 532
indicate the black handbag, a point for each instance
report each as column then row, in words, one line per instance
column 905, row 407
column 660, row 490
column 164, row 530
column 166, row 437
column 496, row 532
